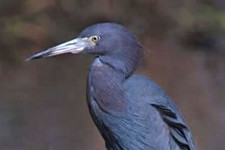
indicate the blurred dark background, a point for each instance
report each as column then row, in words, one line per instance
column 42, row 103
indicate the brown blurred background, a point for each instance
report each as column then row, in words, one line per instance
column 42, row 103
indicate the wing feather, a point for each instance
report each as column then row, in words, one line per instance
column 179, row 131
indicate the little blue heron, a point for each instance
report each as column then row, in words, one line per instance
column 130, row 111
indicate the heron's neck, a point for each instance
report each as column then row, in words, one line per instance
column 125, row 65
column 106, row 83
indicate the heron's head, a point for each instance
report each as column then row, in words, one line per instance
column 111, row 40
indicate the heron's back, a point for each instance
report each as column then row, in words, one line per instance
column 142, row 90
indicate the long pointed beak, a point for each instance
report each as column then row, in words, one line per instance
column 74, row 46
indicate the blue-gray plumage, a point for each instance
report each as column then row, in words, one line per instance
column 130, row 111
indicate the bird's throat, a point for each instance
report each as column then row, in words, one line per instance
column 106, row 85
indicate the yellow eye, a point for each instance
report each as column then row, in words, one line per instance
column 95, row 38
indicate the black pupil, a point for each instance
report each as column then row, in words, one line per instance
column 94, row 38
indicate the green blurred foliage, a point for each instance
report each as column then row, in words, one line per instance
column 32, row 21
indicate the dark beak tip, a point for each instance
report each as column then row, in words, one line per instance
column 38, row 55
column 30, row 58
column 33, row 57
